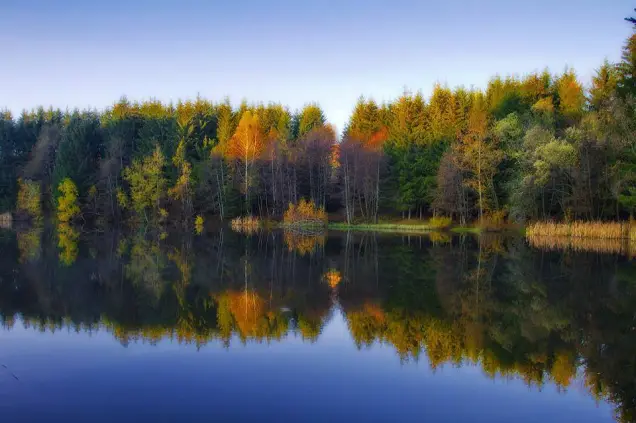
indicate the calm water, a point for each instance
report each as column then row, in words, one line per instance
column 281, row 328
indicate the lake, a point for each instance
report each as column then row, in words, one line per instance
column 280, row 327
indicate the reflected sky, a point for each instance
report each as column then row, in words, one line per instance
column 92, row 377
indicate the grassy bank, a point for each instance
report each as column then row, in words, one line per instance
column 383, row 227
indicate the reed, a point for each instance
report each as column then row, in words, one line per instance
column 579, row 229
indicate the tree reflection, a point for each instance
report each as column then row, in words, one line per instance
column 544, row 317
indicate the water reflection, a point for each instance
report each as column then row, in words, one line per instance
column 517, row 312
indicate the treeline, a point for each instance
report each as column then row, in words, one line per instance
column 537, row 147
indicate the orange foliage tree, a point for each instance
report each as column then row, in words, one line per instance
column 246, row 145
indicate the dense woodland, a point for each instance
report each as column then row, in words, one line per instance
column 540, row 146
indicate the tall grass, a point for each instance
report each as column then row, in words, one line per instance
column 578, row 229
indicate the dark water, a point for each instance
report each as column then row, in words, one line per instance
column 280, row 328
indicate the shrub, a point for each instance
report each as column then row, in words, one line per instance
column 440, row 222
column 305, row 213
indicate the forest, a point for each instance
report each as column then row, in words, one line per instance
column 541, row 146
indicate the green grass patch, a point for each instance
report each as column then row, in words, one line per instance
column 381, row 227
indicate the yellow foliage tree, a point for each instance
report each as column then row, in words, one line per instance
column 67, row 207
column 571, row 95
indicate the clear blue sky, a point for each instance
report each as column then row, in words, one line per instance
column 85, row 53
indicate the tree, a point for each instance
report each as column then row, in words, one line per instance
column 29, row 199
column 246, row 145
column 182, row 190
column 450, row 196
column 147, row 183
column 479, row 156
column 627, row 68
column 78, row 151
column 314, row 160
column 631, row 20
column 603, row 87
column 310, row 117
column 571, row 96
column 67, row 206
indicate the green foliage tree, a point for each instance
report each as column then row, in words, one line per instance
column 147, row 184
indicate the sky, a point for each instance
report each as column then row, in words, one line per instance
column 78, row 53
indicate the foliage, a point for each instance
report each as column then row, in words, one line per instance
column 440, row 222
column 304, row 244
column 333, row 278
column 29, row 198
column 67, row 205
column 198, row 224
column 67, row 242
column 147, row 183
column 305, row 213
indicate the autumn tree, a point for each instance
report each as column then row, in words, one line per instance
column 571, row 97
column 479, row 156
column 67, row 201
column 246, row 145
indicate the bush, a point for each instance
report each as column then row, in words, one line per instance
column 305, row 213
column 440, row 222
